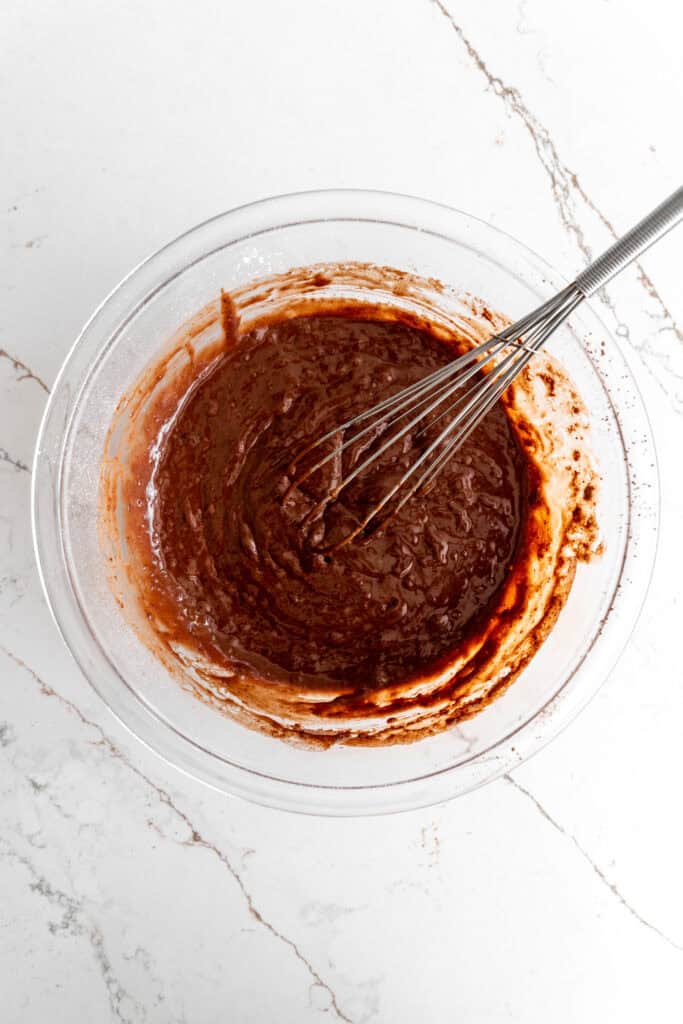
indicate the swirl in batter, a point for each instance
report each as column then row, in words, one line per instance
column 249, row 578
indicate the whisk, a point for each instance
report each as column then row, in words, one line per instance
column 461, row 391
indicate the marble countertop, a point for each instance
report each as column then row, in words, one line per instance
column 131, row 893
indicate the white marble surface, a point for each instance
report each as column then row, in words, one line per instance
column 128, row 892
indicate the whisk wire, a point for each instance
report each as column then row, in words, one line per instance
column 401, row 400
column 406, row 396
column 511, row 351
column 498, row 382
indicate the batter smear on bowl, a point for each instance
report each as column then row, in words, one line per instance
column 239, row 582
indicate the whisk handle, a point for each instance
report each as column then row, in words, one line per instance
column 626, row 249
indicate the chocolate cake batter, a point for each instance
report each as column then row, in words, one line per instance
column 219, row 562
column 255, row 583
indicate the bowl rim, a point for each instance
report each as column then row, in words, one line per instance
column 294, row 795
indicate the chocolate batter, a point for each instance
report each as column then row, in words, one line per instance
column 250, row 584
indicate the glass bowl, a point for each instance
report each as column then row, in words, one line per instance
column 134, row 323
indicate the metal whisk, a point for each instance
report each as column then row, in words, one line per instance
column 461, row 389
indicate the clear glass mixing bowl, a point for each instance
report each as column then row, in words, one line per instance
column 132, row 325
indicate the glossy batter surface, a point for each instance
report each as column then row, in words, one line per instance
column 253, row 585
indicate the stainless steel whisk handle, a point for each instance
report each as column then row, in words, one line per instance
column 632, row 244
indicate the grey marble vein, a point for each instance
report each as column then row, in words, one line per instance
column 75, row 922
column 194, row 838
column 7, row 734
column 567, row 190
column 32, row 243
column 11, row 461
column 596, row 869
column 143, row 959
column 20, row 200
column 24, row 372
